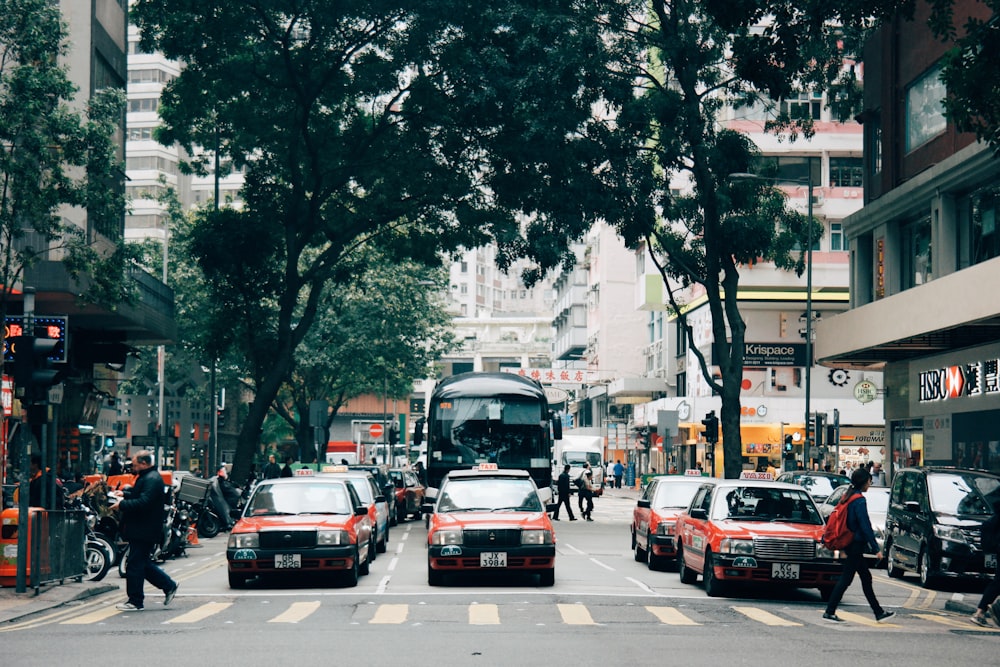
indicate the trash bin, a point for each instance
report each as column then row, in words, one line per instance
column 37, row 532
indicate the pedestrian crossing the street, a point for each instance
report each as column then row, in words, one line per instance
column 522, row 614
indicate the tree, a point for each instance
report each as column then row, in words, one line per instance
column 374, row 335
column 52, row 156
column 416, row 127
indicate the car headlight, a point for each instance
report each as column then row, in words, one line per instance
column 244, row 541
column 536, row 537
column 950, row 533
column 447, row 537
column 332, row 538
column 666, row 527
column 730, row 546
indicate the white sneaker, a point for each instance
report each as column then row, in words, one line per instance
column 127, row 606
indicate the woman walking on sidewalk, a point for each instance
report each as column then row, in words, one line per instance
column 864, row 541
column 988, row 604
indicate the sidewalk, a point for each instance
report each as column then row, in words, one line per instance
column 14, row 606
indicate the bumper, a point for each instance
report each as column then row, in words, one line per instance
column 320, row 559
column 812, row 574
column 467, row 559
column 959, row 562
column 664, row 546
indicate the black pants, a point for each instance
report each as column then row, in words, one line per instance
column 564, row 499
column 854, row 564
column 991, row 592
column 139, row 569
column 588, row 498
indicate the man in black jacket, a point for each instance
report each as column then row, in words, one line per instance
column 563, row 490
column 143, row 517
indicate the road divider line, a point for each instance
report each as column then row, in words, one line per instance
column 765, row 617
column 484, row 614
column 600, row 564
column 575, row 614
column 382, row 585
column 929, row 600
column 641, row 584
column 201, row 613
column 296, row 612
column 390, row 614
column 671, row 616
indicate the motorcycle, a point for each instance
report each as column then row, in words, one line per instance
column 99, row 554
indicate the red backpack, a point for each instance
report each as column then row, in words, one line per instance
column 837, row 536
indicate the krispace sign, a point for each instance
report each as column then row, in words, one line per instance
column 977, row 378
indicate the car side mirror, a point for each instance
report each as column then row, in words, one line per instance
column 912, row 506
column 643, row 503
column 427, row 508
column 698, row 513
column 380, row 499
column 360, row 510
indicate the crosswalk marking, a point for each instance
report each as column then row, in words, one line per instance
column 390, row 614
column 865, row 620
column 296, row 612
column 575, row 614
column 765, row 617
column 93, row 617
column 484, row 614
column 964, row 624
column 670, row 616
column 202, row 612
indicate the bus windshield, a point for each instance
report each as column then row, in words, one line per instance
column 487, row 430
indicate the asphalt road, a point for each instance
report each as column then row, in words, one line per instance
column 605, row 608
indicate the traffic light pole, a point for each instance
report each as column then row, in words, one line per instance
column 809, row 315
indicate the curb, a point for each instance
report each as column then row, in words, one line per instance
column 41, row 603
column 960, row 607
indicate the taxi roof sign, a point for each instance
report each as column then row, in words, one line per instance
column 692, row 472
column 304, row 472
column 760, row 476
column 487, row 466
column 336, row 468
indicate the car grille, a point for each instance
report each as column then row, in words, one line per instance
column 492, row 537
column 771, row 548
column 288, row 539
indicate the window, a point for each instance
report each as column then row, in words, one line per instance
column 682, row 384
column 143, row 105
column 915, row 256
column 837, row 236
column 984, row 241
column 140, row 133
column 149, row 76
column 873, row 125
column 464, row 267
column 791, row 170
column 805, row 105
column 845, row 172
column 925, row 117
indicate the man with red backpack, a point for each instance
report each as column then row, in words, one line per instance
column 863, row 540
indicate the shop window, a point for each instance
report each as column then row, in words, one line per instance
column 916, row 257
column 984, row 239
column 925, row 117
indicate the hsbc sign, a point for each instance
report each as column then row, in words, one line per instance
column 977, row 378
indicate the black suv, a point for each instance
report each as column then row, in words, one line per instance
column 934, row 522
column 380, row 474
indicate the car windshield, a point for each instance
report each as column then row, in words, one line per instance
column 759, row 503
column 364, row 489
column 278, row 499
column 963, row 493
column 489, row 494
column 819, row 485
column 579, row 458
column 674, row 495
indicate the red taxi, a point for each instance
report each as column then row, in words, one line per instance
column 654, row 519
column 301, row 524
column 409, row 493
column 489, row 520
column 754, row 531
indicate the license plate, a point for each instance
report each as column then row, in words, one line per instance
column 784, row 570
column 493, row 559
column 287, row 561
column 991, row 561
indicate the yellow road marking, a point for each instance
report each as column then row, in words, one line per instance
column 964, row 624
column 202, row 612
column 484, row 614
column 865, row 620
column 390, row 614
column 93, row 617
column 296, row 612
column 670, row 616
column 765, row 617
column 575, row 614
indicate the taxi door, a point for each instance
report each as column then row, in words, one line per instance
column 696, row 525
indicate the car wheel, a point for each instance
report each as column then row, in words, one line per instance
column 547, row 577
column 892, row 567
column 652, row 561
column 400, row 516
column 351, row 575
column 237, row 580
column 640, row 553
column 366, row 566
column 687, row 575
column 927, row 579
column 633, row 538
column 382, row 544
column 434, row 578
column 713, row 587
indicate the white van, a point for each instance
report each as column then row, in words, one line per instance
column 577, row 450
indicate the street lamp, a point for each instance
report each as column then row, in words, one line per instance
column 808, row 182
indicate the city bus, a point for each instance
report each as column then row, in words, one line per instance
column 500, row 418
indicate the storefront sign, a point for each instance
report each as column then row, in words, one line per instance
column 865, row 391
column 762, row 355
column 976, row 378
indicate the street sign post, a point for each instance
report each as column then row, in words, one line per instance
column 376, row 430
